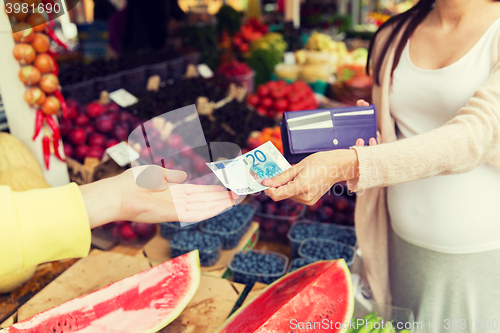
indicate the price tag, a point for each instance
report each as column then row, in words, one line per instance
column 153, row 83
column 205, row 71
column 123, row 98
column 122, row 154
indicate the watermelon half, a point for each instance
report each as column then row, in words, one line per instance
column 311, row 299
column 143, row 303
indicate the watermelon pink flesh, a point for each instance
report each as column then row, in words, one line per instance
column 317, row 292
column 143, row 303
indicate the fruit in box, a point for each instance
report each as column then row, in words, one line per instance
column 145, row 302
column 276, row 97
column 328, row 283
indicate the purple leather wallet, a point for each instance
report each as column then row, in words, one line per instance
column 307, row 132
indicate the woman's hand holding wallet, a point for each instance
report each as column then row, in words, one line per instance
column 311, row 178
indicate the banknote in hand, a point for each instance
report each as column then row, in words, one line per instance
column 244, row 174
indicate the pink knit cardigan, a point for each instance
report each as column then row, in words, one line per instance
column 465, row 142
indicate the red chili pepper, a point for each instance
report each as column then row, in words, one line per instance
column 38, row 123
column 51, row 15
column 53, row 54
column 56, row 66
column 61, row 99
column 54, row 127
column 54, row 37
column 46, row 151
column 55, row 144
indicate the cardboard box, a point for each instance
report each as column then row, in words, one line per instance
column 92, row 170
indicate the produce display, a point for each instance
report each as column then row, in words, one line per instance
column 145, row 302
column 90, row 129
column 249, row 32
column 39, row 72
column 328, row 283
column 76, row 72
column 302, row 230
column 249, row 267
column 209, row 246
column 224, row 126
column 322, row 249
column 335, row 206
column 276, row 97
column 272, row 134
column 169, row 229
column 265, row 53
column 239, row 73
column 229, row 226
column 129, row 232
column 298, row 263
column 352, row 82
column 275, row 218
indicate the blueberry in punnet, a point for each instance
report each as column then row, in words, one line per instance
column 187, row 241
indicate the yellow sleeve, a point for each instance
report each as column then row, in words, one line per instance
column 42, row 225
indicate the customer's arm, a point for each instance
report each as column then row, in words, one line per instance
column 42, row 225
column 51, row 224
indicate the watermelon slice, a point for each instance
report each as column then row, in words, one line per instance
column 319, row 294
column 143, row 303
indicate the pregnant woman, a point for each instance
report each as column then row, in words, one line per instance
column 427, row 213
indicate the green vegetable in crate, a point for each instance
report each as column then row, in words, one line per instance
column 266, row 53
column 228, row 18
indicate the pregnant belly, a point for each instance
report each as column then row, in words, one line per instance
column 452, row 214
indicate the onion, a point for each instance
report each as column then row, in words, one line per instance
column 24, row 32
column 29, row 75
column 45, row 63
column 37, row 21
column 24, row 53
column 51, row 106
column 20, row 15
column 35, row 97
column 49, row 83
column 41, row 43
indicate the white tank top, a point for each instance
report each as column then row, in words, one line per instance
column 455, row 213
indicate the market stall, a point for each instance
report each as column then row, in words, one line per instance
column 72, row 109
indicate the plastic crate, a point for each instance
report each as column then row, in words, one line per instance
column 348, row 253
column 160, row 69
column 176, row 67
column 249, row 278
column 298, row 263
column 295, row 242
column 169, row 229
column 193, row 58
column 231, row 238
column 207, row 257
column 134, row 80
column 82, row 92
column 248, row 78
column 275, row 228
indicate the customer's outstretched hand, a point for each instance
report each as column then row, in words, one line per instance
column 153, row 194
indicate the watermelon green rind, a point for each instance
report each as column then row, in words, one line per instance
column 253, row 318
column 143, row 303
